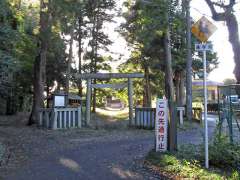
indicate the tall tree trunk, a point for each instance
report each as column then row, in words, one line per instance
column 40, row 62
column 177, row 86
column 147, row 91
column 226, row 14
column 95, row 63
column 172, row 133
column 232, row 26
column 189, row 64
column 48, row 93
column 182, row 89
column 70, row 56
column 80, row 21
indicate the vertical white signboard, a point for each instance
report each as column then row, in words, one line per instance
column 161, row 124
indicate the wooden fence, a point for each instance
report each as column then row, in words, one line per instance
column 145, row 117
column 60, row 118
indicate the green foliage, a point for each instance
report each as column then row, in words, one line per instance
column 56, row 61
column 178, row 165
column 19, row 31
column 223, row 154
column 188, row 162
column 98, row 12
column 144, row 31
column 130, row 67
column 17, row 52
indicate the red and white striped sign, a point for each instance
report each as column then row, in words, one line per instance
column 161, row 124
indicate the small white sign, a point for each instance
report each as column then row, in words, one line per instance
column 59, row 101
column 204, row 47
column 161, row 125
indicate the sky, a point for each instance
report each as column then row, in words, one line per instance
column 119, row 49
column 219, row 39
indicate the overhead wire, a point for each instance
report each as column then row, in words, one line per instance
column 200, row 12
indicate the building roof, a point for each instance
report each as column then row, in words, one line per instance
column 71, row 96
column 209, row 83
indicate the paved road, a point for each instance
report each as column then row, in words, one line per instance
column 108, row 157
column 99, row 160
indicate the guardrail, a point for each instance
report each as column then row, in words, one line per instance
column 60, row 118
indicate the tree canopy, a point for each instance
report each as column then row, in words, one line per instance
column 42, row 43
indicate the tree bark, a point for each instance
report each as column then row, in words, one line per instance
column 80, row 21
column 146, row 91
column 40, row 62
column 227, row 15
column 232, row 26
column 182, row 89
column 70, row 56
column 172, row 133
column 189, row 64
column 177, row 86
column 95, row 61
column 48, row 93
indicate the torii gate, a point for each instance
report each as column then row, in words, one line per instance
column 90, row 76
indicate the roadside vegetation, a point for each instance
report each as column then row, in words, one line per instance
column 188, row 161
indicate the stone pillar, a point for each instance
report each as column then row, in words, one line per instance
column 130, row 101
column 88, row 102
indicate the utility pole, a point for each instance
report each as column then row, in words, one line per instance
column 189, row 63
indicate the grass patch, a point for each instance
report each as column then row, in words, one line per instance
column 188, row 162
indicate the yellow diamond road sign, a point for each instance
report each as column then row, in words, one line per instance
column 203, row 29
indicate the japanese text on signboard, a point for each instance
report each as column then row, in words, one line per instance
column 161, row 125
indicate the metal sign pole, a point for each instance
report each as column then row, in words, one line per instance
column 205, row 108
column 202, row 30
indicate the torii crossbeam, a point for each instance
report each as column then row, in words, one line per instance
column 89, row 76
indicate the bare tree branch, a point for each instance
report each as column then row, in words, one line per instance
column 223, row 5
column 215, row 15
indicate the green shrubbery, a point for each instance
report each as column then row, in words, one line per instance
column 224, row 154
column 172, row 165
column 188, row 161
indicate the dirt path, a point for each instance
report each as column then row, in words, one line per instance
column 95, row 158
column 81, row 153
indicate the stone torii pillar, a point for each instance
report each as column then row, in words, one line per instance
column 130, row 101
column 88, row 102
column 89, row 76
